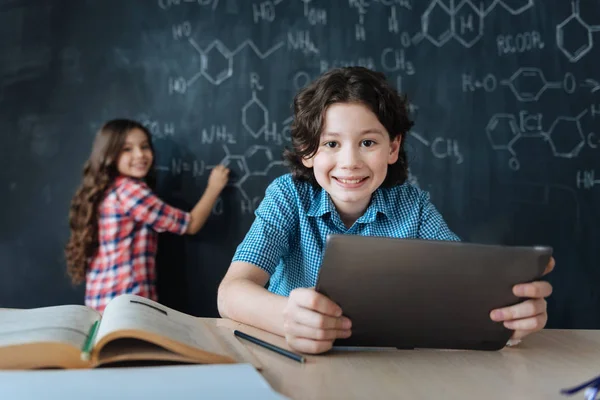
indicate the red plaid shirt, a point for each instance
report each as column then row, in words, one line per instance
column 129, row 218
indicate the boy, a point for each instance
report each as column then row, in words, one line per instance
column 348, row 176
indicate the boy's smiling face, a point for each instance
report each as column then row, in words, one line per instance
column 353, row 157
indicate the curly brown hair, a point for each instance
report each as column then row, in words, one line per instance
column 99, row 172
column 346, row 85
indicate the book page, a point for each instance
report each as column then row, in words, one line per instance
column 138, row 313
column 68, row 324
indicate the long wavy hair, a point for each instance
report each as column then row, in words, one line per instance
column 99, row 172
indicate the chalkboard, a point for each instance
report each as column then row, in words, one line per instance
column 505, row 95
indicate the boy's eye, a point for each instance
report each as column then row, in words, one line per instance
column 146, row 147
column 127, row 149
column 330, row 144
column 368, row 143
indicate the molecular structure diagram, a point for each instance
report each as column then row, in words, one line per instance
column 259, row 126
column 465, row 21
column 216, row 60
column 528, row 84
column 503, row 132
column 575, row 26
column 441, row 147
column 258, row 156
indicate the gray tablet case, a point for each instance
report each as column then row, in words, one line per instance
column 410, row 293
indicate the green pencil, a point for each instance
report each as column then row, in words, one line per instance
column 86, row 350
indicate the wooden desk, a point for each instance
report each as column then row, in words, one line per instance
column 537, row 368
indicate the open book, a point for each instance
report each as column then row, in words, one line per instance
column 131, row 329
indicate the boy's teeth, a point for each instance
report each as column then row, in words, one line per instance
column 350, row 180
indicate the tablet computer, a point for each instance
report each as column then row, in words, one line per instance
column 412, row 293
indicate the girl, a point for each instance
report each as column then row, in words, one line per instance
column 115, row 216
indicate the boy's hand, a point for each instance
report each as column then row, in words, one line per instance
column 312, row 321
column 218, row 178
column 530, row 315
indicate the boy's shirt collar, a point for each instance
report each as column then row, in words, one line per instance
column 322, row 204
column 377, row 205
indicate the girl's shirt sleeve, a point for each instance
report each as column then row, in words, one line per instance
column 140, row 202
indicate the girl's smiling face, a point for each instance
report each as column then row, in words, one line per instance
column 136, row 155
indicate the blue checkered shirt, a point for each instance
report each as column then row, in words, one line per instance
column 287, row 238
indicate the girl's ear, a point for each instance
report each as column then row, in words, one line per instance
column 394, row 149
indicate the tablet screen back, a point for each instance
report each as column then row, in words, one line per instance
column 410, row 293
